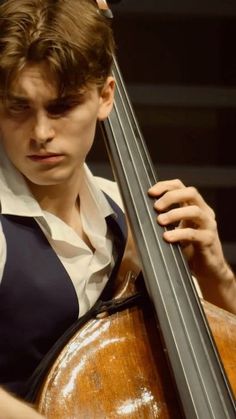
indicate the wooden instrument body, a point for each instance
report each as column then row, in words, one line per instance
column 117, row 366
column 113, row 367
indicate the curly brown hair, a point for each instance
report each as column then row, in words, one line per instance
column 71, row 36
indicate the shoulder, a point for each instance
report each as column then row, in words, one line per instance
column 111, row 189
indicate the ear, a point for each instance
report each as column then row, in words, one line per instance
column 106, row 98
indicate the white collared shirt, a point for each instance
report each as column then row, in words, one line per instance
column 87, row 269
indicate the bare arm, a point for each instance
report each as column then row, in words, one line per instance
column 197, row 233
column 12, row 408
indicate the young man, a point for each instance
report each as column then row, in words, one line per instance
column 58, row 233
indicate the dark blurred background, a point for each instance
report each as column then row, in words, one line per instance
column 178, row 59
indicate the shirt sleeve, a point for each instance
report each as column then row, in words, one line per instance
column 3, row 252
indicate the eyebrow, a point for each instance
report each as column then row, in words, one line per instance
column 17, row 98
column 73, row 99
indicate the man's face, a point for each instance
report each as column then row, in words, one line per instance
column 47, row 138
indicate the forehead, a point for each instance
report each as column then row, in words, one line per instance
column 34, row 81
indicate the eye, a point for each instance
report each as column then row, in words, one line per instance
column 59, row 109
column 63, row 106
column 16, row 108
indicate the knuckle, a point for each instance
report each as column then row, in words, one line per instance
column 211, row 236
column 190, row 233
column 178, row 183
column 213, row 214
column 197, row 212
column 214, row 225
column 193, row 191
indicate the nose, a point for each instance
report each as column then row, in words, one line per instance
column 42, row 131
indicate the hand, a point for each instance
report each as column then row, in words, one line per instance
column 196, row 231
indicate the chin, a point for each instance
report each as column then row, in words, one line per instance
column 52, row 177
column 47, row 180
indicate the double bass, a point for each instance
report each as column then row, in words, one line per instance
column 146, row 353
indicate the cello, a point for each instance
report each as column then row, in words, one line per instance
column 195, row 373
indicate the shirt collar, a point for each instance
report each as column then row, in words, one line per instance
column 91, row 190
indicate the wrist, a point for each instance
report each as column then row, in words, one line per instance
column 222, row 290
column 217, row 282
column 225, row 277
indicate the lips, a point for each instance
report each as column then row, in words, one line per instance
column 43, row 156
column 47, row 158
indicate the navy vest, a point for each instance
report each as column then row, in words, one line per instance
column 38, row 302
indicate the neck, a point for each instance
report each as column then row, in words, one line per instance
column 61, row 200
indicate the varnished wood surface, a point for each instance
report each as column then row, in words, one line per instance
column 223, row 327
column 114, row 367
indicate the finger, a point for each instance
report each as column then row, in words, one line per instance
column 189, row 235
column 190, row 214
column 165, row 185
column 184, row 196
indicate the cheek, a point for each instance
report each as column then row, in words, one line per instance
column 11, row 140
column 82, row 143
column 81, row 132
column 9, row 127
column 7, row 133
